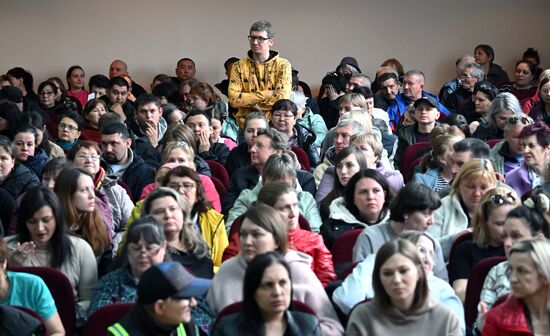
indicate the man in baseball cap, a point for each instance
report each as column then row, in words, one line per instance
column 166, row 294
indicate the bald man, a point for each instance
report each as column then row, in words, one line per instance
column 119, row 68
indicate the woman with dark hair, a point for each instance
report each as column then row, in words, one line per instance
column 487, row 236
column 267, row 308
column 436, row 166
column 15, row 178
column 10, row 119
column 532, row 54
column 76, row 192
column 541, row 110
column 29, row 291
column 412, row 209
column 42, row 239
column 219, row 128
column 524, row 87
column 263, row 230
column 26, row 151
column 401, row 298
column 485, row 56
column 93, row 110
column 476, row 111
column 185, row 243
column 145, row 245
column 46, row 98
column 525, row 312
column 75, row 84
column 43, row 137
column 23, row 80
column 69, row 130
column 347, row 163
column 61, row 98
column 521, row 224
column 536, row 150
column 365, row 202
column 172, row 115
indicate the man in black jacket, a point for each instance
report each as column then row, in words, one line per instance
column 201, row 125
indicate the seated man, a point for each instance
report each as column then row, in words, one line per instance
column 508, row 153
column 119, row 68
column 284, row 115
column 267, row 142
column 201, row 125
column 452, row 85
column 426, row 113
column 166, row 295
column 388, row 89
column 469, row 77
column 185, row 69
column 117, row 98
column 278, row 168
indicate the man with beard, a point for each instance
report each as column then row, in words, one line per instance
column 121, row 162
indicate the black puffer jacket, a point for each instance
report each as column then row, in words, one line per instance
column 306, row 141
column 19, row 181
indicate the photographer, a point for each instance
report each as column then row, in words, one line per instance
column 333, row 85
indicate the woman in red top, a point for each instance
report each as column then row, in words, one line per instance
column 525, row 312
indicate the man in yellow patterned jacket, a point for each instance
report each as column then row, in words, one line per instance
column 261, row 78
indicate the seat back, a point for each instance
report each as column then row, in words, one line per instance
column 62, row 293
column 475, row 285
column 220, row 187
column 302, row 157
column 408, row 169
column 104, row 317
column 493, row 142
column 413, row 152
column 342, row 250
column 218, row 171
column 463, row 237
column 35, row 315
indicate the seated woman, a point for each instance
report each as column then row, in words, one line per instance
column 185, row 244
column 240, row 156
column 308, row 119
column 217, row 121
column 483, row 96
column 347, row 162
column 487, row 240
column 75, row 84
column 541, row 109
column 76, row 192
column 436, row 167
column 522, row 223
column 412, row 209
column 284, row 199
column 267, row 309
column 68, row 130
column 401, row 298
column 524, row 87
column 93, row 110
column 278, row 168
column 536, row 150
column 358, row 285
column 26, row 151
column 15, row 178
column 42, row 239
column 503, row 107
column 11, row 118
column 145, row 245
column 182, row 133
column 43, row 137
column 29, row 291
column 86, row 156
column 365, row 202
column 47, row 93
column 263, row 230
column 526, row 310
column 454, row 217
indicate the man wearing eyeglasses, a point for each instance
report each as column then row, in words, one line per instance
column 471, row 74
column 508, row 153
column 261, row 78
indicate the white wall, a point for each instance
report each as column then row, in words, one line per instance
column 48, row 36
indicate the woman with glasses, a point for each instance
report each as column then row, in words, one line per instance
column 487, row 239
column 47, row 91
column 86, row 156
column 541, row 109
column 525, row 312
column 145, row 245
column 68, row 130
column 503, row 107
column 184, row 241
column 536, row 151
column 93, row 110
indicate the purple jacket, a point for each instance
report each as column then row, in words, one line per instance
column 518, row 179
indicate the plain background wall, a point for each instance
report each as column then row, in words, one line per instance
column 48, row 36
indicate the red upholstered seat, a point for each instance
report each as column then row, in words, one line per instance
column 218, row 171
column 104, row 317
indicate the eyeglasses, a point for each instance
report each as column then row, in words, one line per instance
column 150, row 251
column 87, row 157
column 259, row 39
column 517, row 120
column 503, row 199
column 45, row 93
column 69, row 127
column 282, row 116
column 187, row 186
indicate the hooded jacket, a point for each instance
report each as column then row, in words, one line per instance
column 250, row 84
column 37, row 162
column 19, row 180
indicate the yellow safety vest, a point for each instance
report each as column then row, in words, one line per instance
column 118, row 330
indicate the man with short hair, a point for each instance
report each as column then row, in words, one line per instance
column 121, row 162
column 117, row 97
column 344, row 130
column 471, row 74
column 119, row 68
column 508, row 153
column 452, row 85
column 388, row 88
column 268, row 142
column 466, row 150
column 261, row 78
column 223, row 86
column 426, row 114
column 185, row 69
column 165, row 298
column 356, row 80
column 413, row 89
column 147, row 122
column 201, row 125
